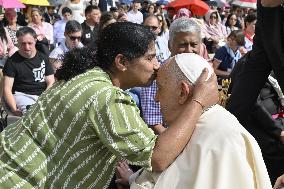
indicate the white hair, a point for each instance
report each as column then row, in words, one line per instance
column 185, row 25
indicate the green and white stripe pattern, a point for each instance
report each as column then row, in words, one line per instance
column 73, row 137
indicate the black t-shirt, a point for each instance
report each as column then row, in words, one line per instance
column 29, row 74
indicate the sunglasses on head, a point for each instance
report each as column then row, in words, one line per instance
column 73, row 38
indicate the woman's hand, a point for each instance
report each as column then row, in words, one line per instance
column 123, row 172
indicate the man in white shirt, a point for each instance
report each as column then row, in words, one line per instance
column 135, row 15
column 59, row 26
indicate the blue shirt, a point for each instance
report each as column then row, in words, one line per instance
column 227, row 58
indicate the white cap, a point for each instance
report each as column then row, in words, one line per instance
column 192, row 65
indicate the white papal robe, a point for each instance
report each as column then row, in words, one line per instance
column 221, row 154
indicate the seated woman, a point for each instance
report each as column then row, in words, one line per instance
column 215, row 32
column 232, row 23
column 43, row 30
column 227, row 56
column 12, row 27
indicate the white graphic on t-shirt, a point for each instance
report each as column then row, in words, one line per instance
column 39, row 73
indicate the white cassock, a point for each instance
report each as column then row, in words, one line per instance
column 221, row 154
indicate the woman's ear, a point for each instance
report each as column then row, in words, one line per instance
column 120, row 62
column 185, row 91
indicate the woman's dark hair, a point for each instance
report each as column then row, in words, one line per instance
column 75, row 62
column 152, row 4
column 3, row 33
column 250, row 18
column 105, row 18
column 126, row 38
column 164, row 23
column 227, row 23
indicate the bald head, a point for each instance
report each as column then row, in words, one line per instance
column 171, row 72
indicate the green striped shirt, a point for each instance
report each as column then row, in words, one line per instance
column 74, row 135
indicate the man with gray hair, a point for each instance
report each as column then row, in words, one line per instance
column 221, row 154
column 184, row 37
column 73, row 34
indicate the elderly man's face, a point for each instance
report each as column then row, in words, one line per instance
column 185, row 43
column 167, row 93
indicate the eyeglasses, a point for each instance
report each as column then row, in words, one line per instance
column 153, row 28
column 73, row 38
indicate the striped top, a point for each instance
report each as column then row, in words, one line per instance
column 74, row 135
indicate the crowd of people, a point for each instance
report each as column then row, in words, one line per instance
column 115, row 95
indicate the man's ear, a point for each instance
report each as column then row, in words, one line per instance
column 185, row 91
column 120, row 62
